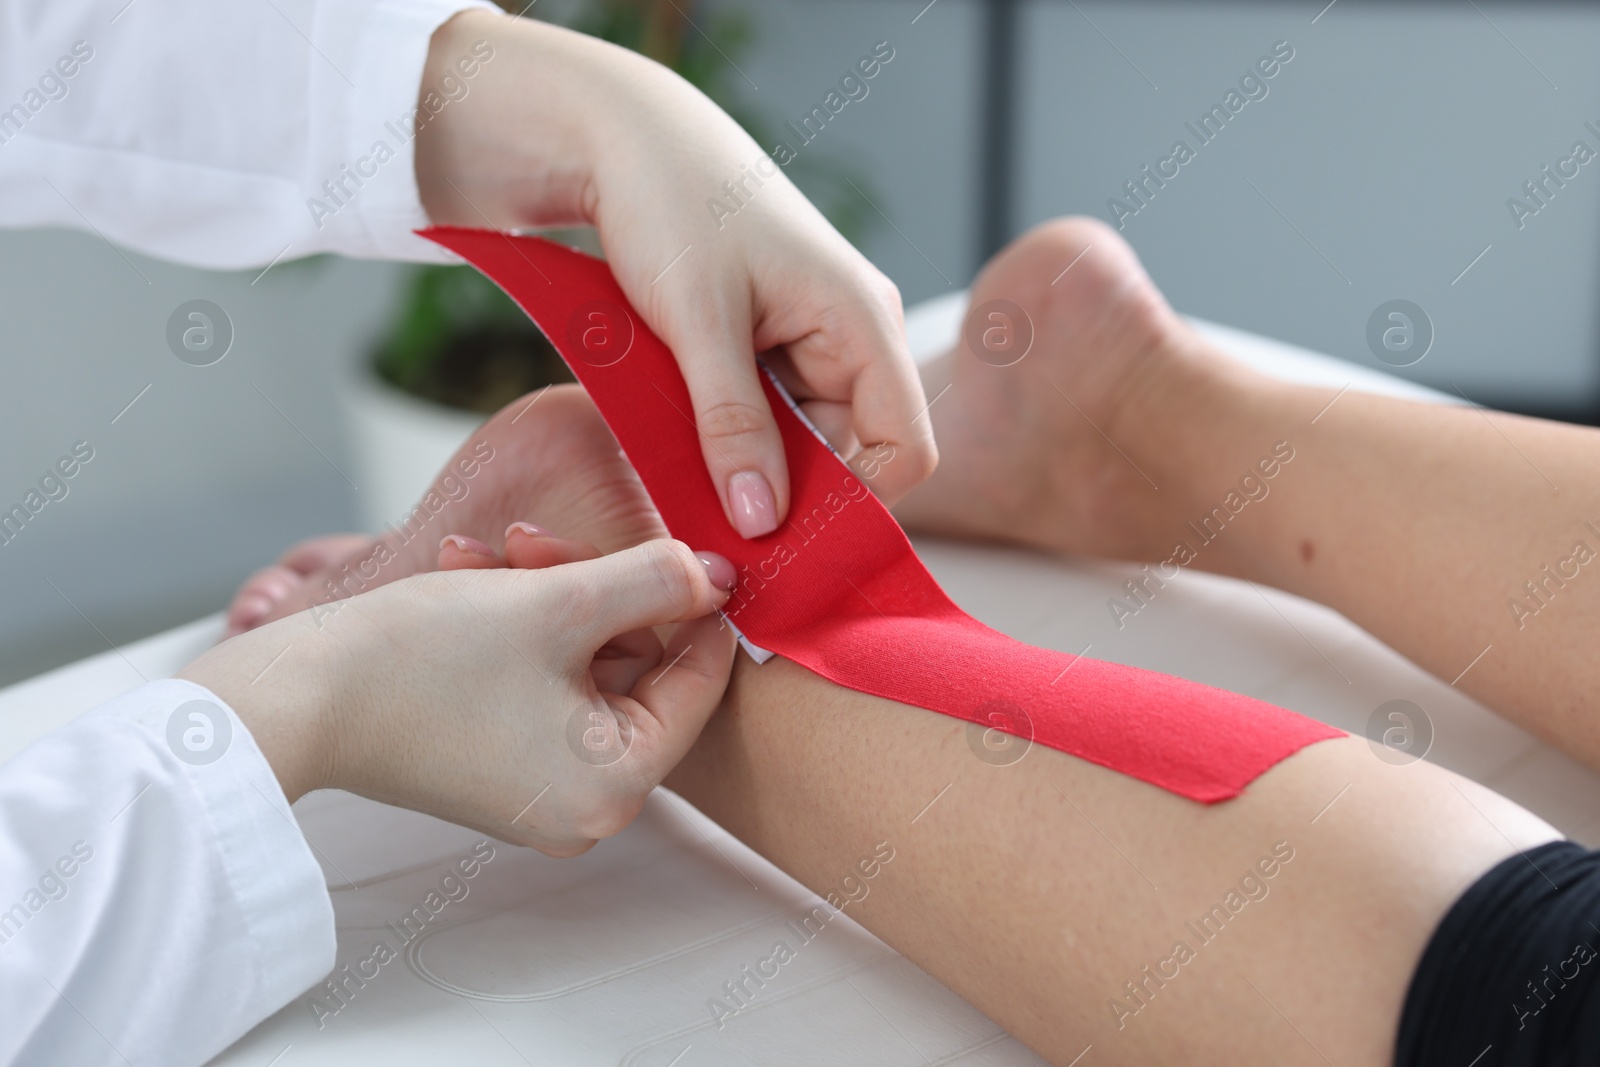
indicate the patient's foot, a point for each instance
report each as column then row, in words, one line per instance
column 270, row 586
column 1054, row 449
column 552, row 463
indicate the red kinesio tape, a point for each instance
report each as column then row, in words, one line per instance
column 839, row 590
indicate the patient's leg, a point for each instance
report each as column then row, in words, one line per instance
column 1039, row 890
column 1080, row 907
column 1450, row 533
column 1042, row 890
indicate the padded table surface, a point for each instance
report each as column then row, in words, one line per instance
column 611, row 958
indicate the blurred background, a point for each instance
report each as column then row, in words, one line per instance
column 1378, row 163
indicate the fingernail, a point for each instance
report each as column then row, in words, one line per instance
column 528, row 528
column 754, row 511
column 467, row 544
column 719, row 570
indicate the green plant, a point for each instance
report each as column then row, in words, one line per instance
column 459, row 341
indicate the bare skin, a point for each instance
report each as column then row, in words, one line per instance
column 1018, row 887
column 1420, row 522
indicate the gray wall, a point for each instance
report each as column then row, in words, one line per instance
column 1389, row 145
column 1377, row 167
column 199, row 481
column 914, row 133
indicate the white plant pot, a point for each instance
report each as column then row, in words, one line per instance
column 398, row 444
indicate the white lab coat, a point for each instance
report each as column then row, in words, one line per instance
column 202, row 130
column 152, row 909
column 155, row 906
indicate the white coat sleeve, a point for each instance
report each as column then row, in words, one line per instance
column 223, row 135
column 157, row 899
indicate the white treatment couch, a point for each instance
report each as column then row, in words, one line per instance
column 611, row 958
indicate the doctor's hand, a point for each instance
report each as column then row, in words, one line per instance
column 533, row 705
column 565, row 129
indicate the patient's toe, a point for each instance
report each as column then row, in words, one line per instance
column 270, row 587
column 256, row 598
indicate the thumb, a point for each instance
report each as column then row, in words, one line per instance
column 651, row 584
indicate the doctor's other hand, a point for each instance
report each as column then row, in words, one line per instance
column 564, row 129
column 537, row 706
